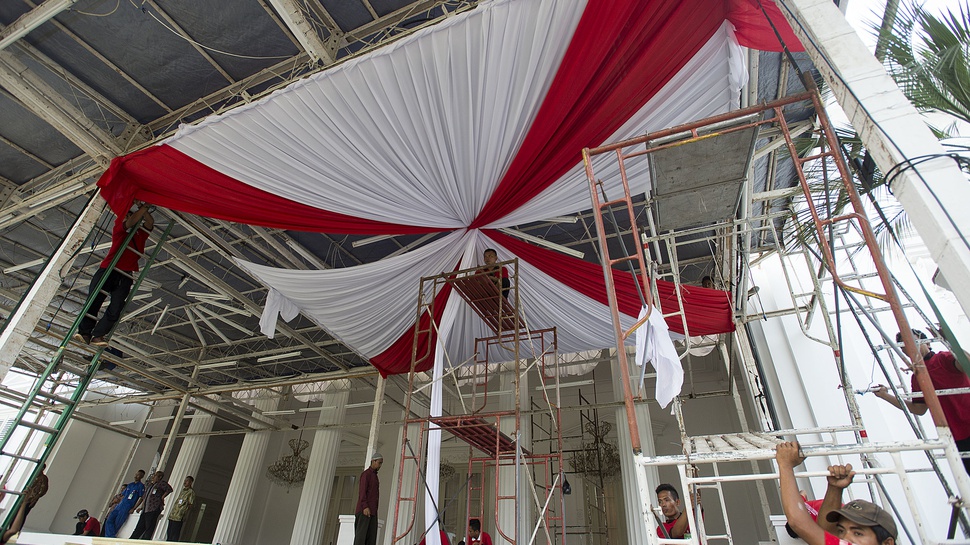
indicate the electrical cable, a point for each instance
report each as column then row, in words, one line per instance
column 203, row 46
column 117, row 4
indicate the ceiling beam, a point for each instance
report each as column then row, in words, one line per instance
column 219, row 285
column 292, row 14
column 69, row 33
column 50, row 106
column 31, row 20
column 78, row 84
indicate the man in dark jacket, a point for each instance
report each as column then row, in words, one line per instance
column 365, row 521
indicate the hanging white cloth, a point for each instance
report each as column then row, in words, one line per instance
column 277, row 305
column 654, row 345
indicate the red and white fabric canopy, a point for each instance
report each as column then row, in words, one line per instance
column 468, row 126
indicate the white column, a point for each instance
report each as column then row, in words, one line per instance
column 636, row 526
column 311, row 515
column 187, row 464
column 892, row 131
column 239, row 498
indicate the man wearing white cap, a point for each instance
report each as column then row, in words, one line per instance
column 365, row 521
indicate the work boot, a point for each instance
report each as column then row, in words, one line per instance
column 99, row 341
column 82, row 338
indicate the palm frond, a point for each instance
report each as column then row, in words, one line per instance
column 928, row 56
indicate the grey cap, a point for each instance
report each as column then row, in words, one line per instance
column 376, row 456
column 864, row 513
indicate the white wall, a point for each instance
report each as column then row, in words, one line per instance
column 808, row 387
column 87, row 463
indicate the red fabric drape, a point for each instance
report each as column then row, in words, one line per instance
column 166, row 177
column 621, row 54
column 397, row 358
column 708, row 311
column 754, row 30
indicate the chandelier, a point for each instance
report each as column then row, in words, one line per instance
column 446, row 471
column 597, row 457
column 290, row 471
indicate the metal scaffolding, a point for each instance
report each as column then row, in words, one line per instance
column 484, row 410
column 647, row 233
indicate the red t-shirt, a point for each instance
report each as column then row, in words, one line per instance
column 444, row 538
column 832, row 540
column 92, row 527
column 483, row 539
column 945, row 373
column 668, row 526
column 129, row 259
column 812, row 506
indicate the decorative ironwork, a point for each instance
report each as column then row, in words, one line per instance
column 290, row 471
column 597, row 457
column 446, row 471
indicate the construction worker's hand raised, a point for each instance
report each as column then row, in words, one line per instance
column 840, row 476
column 788, row 454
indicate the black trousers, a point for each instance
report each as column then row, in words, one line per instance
column 174, row 530
column 365, row 529
column 146, row 525
column 117, row 285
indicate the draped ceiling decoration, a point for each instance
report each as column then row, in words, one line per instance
column 466, row 127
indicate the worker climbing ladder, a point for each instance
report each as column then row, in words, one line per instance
column 48, row 406
column 744, row 125
column 485, row 412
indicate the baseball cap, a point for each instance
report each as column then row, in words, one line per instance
column 866, row 514
column 376, row 456
column 82, row 513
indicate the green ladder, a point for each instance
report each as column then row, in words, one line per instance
column 17, row 463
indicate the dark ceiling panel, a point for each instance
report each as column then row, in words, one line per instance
column 349, row 14
column 255, row 41
column 161, row 61
column 28, row 131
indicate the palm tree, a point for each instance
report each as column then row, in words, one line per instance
column 929, row 57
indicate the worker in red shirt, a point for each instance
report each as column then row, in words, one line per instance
column 87, row 525
column 858, row 522
column 475, row 534
column 119, row 281
column 945, row 374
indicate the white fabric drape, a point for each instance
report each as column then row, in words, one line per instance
column 709, row 84
column 425, row 129
column 277, row 305
column 453, row 103
column 370, row 306
column 367, row 307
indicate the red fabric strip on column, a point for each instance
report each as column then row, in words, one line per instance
column 754, row 30
column 708, row 311
column 166, row 177
column 622, row 53
column 396, row 359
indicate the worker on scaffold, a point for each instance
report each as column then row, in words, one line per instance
column 119, row 281
column 497, row 274
column 945, row 374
